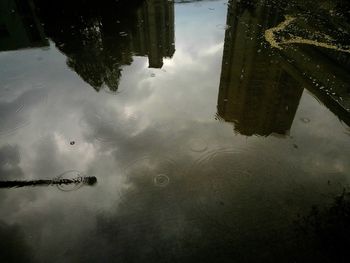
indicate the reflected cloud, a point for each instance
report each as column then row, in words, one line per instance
column 14, row 112
column 10, row 162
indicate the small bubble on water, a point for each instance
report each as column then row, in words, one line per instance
column 305, row 120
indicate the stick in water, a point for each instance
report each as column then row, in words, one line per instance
column 88, row 180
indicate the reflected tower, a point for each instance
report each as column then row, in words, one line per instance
column 256, row 93
column 154, row 36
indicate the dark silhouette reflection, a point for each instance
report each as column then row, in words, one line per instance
column 89, row 180
column 154, row 36
column 98, row 39
column 258, row 95
column 19, row 26
column 261, row 86
column 323, row 72
column 325, row 233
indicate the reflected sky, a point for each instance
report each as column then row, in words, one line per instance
column 207, row 142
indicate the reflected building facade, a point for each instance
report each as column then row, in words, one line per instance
column 260, row 86
column 258, row 95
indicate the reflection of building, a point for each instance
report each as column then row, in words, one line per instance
column 19, row 27
column 155, row 34
column 260, row 87
column 256, row 94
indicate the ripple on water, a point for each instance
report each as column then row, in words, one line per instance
column 106, row 129
column 161, row 180
column 102, row 130
column 15, row 115
column 13, row 126
column 231, row 185
column 9, row 155
column 144, row 177
column 198, row 145
column 70, row 174
column 12, row 117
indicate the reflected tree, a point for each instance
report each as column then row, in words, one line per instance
column 89, row 34
column 99, row 38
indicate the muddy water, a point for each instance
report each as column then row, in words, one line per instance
column 217, row 131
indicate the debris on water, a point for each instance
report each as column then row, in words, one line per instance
column 305, row 120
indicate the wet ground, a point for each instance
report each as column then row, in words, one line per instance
column 186, row 131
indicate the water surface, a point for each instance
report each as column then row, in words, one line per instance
column 218, row 131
